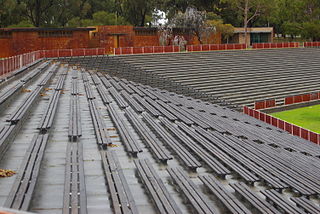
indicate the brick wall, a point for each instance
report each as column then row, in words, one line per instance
column 144, row 41
column 24, row 42
column 103, row 37
column 5, row 47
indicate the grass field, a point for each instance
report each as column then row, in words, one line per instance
column 307, row 117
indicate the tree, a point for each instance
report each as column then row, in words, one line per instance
column 37, row 11
column 298, row 18
column 105, row 18
column 193, row 21
column 310, row 14
column 226, row 30
column 250, row 9
column 311, row 30
column 291, row 28
column 99, row 18
column 24, row 24
column 7, row 8
column 138, row 12
column 172, row 7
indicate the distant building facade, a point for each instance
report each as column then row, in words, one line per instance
column 128, row 36
column 14, row 41
column 255, row 35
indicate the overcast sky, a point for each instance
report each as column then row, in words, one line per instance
column 163, row 20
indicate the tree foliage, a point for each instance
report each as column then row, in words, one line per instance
column 226, row 30
column 288, row 17
column 99, row 18
column 249, row 10
column 194, row 21
column 299, row 18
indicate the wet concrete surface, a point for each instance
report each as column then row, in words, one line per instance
column 48, row 194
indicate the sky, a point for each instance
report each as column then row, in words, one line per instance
column 163, row 20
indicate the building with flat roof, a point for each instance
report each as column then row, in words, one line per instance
column 14, row 41
column 255, row 35
column 115, row 36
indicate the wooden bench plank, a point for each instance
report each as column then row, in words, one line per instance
column 176, row 113
column 74, row 87
column 205, row 156
column 121, row 196
column 22, row 111
column 155, row 145
column 104, row 94
column 306, row 205
column 147, row 106
column 102, row 135
column 24, row 184
column 162, row 110
column 131, row 144
column 279, row 201
column 118, row 98
column 126, row 87
column 60, row 83
column 133, row 103
column 159, row 193
column 47, row 118
column 250, row 196
column 231, row 203
column 75, row 130
column 191, row 191
column 220, row 154
column 186, row 157
column 277, row 168
column 236, row 150
column 74, row 198
column 88, row 90
column 7, row 133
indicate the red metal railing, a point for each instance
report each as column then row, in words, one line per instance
column 311, row 44
column 269, row 103
column 10, row 64
column 215, row 47
column 275, row 45
column 302, row 98
column 262, row 104
column 144, row 50
column 289, row 127
column 171, row 49
column 205, row 47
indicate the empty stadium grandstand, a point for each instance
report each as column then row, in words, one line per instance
column 236, row 77
column 119, row 135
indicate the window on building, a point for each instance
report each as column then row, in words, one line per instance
column 5, row 34
column 259, row 37
column 55, row 34
column 180, row 31
column 145, row 31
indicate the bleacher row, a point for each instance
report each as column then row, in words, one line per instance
column 213, row 158
column 221, row 151
column 183, row 123
column 117, row 67
column 21, row 191
column 237, row 78
column 13, row 123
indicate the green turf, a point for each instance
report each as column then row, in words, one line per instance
column 307, row 117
